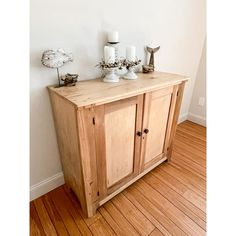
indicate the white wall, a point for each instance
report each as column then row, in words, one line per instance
column 197, row 112
column 79, row 26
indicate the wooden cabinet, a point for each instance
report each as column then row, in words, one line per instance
column 110, row 135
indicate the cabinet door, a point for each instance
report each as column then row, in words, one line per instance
column 155, row 121
column 117, row 142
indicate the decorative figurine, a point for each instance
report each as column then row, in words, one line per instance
column 56, row 58
column 150, row 67
column 69, row 79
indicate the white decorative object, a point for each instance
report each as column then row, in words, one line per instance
column 116, row 47
column 130, row 53
column 113, row 37
column 111, row 76
column 55, row 58
column 130, row 75
column 109, row 54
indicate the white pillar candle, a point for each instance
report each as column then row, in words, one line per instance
column 113, row 37
column 130, row 53
column 109, row 54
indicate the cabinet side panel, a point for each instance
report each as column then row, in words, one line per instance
column 175, row 118
column 88, row 157
column 65, row 118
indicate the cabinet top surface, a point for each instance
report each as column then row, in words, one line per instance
column 96, row 92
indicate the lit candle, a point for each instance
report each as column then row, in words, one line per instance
column 109, row 54
column 130, row 53
column 113, row 37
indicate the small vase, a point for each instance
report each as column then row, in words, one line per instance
column 130, row 74
column 111, row 76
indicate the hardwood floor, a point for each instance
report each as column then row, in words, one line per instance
column 170, row 200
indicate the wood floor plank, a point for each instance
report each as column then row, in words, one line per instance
column 182, row 189
column 191, row 132
column 36, row 227
column 156, row 232
column 192, row 127
column 34, row 230
column 194, row 152
column 177, row 216
column 45, row 220
column 101, row 227
column 76, row 205
column 116, row 220
column 83, row 228
column 191, row 156
column 68, row 220
column 188, row 164
column 200, row 128
column 54, row 216
column 133, row 215
column 193, row 178
column 181, row 203
column 190, row 137
column 195, row 143
column 160, row 220
column 186, row 180
column 182, row 164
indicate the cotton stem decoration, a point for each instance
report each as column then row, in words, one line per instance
column 56, row 58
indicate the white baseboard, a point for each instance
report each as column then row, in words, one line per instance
column 197, row 119
column 46, row 185
column 182, row 118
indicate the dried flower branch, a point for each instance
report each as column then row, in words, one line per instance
column 128, row 64
column 118, row 64
column 105, row 65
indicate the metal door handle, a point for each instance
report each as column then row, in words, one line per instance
column 146, row 131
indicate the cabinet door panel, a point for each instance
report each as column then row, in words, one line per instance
column 120, row 137
column 117, row 145
column 158, row 116
column 156, row 113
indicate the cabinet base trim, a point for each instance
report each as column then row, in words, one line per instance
column 131, row 182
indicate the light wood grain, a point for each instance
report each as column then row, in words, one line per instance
column 120, row 138
column 129, row 211
column 154, row 214
column 100, row 131
column 157, row 123
column 156, row 232
column 65, row 118
column 101, row 227
column 167, row 208
column 180, row 94
column 96, row 92
column 180, row 202
column 35, row 224
column 45, row 220
column 54, row 216
column 116, row 220
column 168, row 202
column 131, row 181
